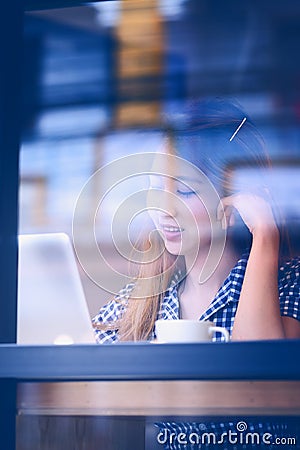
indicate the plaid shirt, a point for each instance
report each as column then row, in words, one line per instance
column 222, row 309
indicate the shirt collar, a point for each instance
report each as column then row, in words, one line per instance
column 228, row 292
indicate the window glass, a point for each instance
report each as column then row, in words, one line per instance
column 101, row 79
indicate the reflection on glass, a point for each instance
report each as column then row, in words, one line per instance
column 101, row 80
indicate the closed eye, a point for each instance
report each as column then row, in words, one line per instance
column 185, row 193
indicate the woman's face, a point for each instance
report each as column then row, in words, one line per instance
column 183, row 205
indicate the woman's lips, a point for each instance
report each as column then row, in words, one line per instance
column 171, row 232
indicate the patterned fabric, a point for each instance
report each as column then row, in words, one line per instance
column 222, row 309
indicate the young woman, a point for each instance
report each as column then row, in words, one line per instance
column 196, row 270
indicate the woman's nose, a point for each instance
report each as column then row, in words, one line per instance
column 168, row 205
column 163, row 201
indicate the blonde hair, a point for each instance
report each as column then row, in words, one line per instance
column 144, row 295
column 151, row 284
column 154, row 278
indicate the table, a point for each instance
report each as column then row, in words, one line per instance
column 87, row 392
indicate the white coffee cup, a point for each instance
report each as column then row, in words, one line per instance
column 183, row 330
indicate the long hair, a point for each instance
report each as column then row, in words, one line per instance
column 151, row 283
column 203, row 136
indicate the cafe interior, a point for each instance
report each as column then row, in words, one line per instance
column 84, row 86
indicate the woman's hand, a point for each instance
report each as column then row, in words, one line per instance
column 258, row 313
column 254, row 210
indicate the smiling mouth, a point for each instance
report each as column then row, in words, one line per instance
column 172, row 229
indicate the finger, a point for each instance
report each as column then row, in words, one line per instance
column 228, row 213
column 220, row 210
column 224, row 214
column 223, row 203
column 224, row 223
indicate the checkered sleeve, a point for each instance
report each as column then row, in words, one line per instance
column 106, row 321
column 289, row 288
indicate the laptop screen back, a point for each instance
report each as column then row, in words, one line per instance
column 51, row 304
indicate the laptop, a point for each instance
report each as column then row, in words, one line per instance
column 51, row 304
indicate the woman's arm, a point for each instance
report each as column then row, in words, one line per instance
column 258, row 312
column 291, row 327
